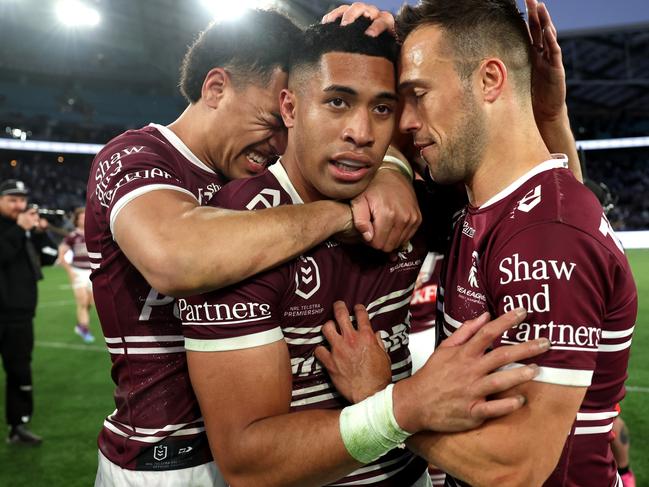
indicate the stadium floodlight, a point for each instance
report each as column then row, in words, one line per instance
column 225, row 10
column 74, row 13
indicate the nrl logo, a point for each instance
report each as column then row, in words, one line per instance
column 473, row 273
column 159, row 453
column 307, row 277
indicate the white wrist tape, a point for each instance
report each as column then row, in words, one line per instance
column 369, row 428
column 404, row 166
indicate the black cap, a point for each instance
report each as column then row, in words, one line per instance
column 13, row 186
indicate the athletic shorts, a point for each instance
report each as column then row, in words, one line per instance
column 111, row 475
column 81, row 278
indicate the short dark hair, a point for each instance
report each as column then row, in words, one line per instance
column 475, row 29
column 320, row 39
column 251, row 50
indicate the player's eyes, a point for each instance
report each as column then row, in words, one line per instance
column 337, row 103
column 383, row 109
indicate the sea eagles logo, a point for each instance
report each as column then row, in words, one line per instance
column 530, row 200
column 159, row 453
column 403, row 254
column 473, row 273
column 307, row 277
column 262, row 199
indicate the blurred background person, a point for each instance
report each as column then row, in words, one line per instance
column 73, row 257
column 24, row 247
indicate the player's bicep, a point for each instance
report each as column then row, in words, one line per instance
column 147, row 224
column 243, row 386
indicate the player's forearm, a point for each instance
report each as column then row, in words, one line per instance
column 479, row 461
column 219, row 247
column 188, row 250
column 558, row 137
column 297, row 449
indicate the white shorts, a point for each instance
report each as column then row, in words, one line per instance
column 422, row 346
column 111, row 475
column 81, row 278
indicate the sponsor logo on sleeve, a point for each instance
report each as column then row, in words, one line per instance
column 207, row 193
column 111, row 168
column 548, row 272
column 307, row 277
column 222, row 313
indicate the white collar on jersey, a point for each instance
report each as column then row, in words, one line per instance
column 180, row 146
column 557, row 161
column 282, row 178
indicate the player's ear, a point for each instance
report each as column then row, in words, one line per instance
column 287, row 107
column 214, row 86
column 492, row 77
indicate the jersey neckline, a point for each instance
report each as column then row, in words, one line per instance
column 285, row 182
column 558, row 161
column 180, row 146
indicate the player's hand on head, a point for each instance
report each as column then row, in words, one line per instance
column 357, row 363
column 548, row 73
column 456, row 385
column 381, row 20
column 387, row 214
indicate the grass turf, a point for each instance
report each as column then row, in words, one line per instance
column 73, row 392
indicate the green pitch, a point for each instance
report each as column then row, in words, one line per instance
column 73, row 392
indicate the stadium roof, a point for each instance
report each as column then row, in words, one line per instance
column 138, row 46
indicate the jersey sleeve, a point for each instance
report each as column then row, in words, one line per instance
column 241, row 316
column 130, row 167
column 562, row 276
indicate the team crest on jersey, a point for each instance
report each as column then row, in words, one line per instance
column 403, row 253
column 159, row 452
column 530, row 200
column 267, row 198
column 473, row 272
column 307, row 277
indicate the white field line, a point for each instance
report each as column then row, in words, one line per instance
column 71, row 346
column 637, row 389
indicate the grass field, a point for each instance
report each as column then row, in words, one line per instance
column 73, row 392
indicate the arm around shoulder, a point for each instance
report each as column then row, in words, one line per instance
column 183, row 249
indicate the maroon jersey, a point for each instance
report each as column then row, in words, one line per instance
column 294, row 300
column 77, row 243
column 157, row 424
column 543, row 243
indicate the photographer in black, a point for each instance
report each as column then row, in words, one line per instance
column 24, row 247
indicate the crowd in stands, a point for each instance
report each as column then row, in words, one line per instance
column 62, row 185
column 53, row 184
column 626, row 173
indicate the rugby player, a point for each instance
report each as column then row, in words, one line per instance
column 532, row 236
column 280, row 422
column 79, row 273
column 149, row 238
